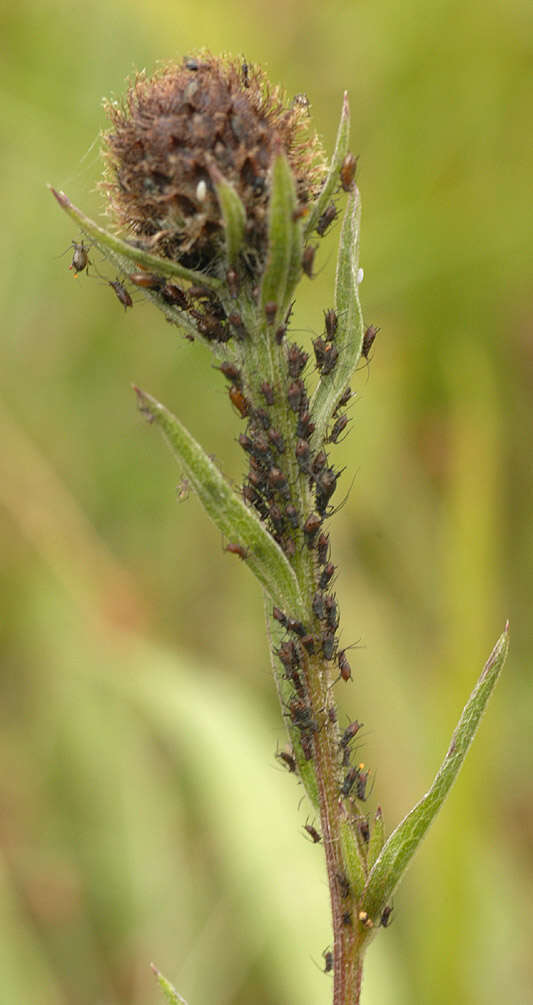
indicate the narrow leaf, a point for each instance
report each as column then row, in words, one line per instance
column 285, row 238
column 349, row 335
column 233, row 214
column 238, row 523
column 403, row 842
column 377, row 838
column 331, row 183
column 125, row 254
column 355, row 872
column 168, row 989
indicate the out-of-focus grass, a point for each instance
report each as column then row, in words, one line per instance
column 130, row 772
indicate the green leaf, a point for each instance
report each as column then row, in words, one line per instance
column 233, row 214
column 377, row 838
column 284, row 263
column 332, row 181
column 349, row 335
column 403, row 842
column 169, row 990
column 238, row 523
column 355, row 872
column 124, row 254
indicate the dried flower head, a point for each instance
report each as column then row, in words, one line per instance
column 179, row 130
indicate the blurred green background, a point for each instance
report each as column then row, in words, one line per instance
column 143, row 816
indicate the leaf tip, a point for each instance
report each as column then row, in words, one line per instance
column 61, row 198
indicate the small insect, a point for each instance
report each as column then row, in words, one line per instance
column 147, row 280
column 318, row 606
column 332, row 612
column 280, row 616
column 347, row 171
column 365, row 919
column 364, row 831
column 308, row 642
column 296, row 360
column 172, row 294
column 343, row 884
column 368, row 340
column 237, row 549
column 299, row 213
column 232, row 279
column 292, row 513
column 241, row 403
column 80, row 258
column 344, row 666
column 245, row 72
column 328, row 961
column 351, row 730
column 268, row 392
column 313, row 833
column 303, row 454
column 296, row 395
column 302, row 100
column 311, row 528
column 192, row 64
column 338, row 427
column 308, row 259
column 347, row 919
column 328, row 645
column 331, row 322
column 296, row 627
column 326, row 575
column 327, row 218
column 350, row 779
column 343, row 400
column 121, row 293
column 271, row 309
column 276, row 440
column 322, row 547
column 288, row 760
column 385, row 917
column 278, row 481
column 231, row 372
column 304, row 427
column 319, row 462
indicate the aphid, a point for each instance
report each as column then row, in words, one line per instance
column 276, row 517
column 347, row 919
column 302, row 716
column 304, row 427
column 289, row 547
column 237, row 549
column 322, row 547
column 236, row 321
column 308, row 259
column 288, row 655
column 251, row 495
column 326, row 484
column 364, row 831
column 296, row 360
column 343, row 400
column 279, row 615
column 385, row 917
column 231, row 372
column 121, row 293
column 311, row 528
column 232, row 280
column 297, row 627
column 174, row 295
column 147, row 280
column 192, row 64
column 296, row 396
column 362, row 779
column 308, row 642
column 303, row 454
column 319, row 347
column 319, row 462
column 365, row 919
column 331, row 323
column 328, row 961
column 271, row 309
column 368, row 340
column 268, row 392
column 331, row 355
column 318, row 606
column 328, row 645
column 327, row 218
column 263, row 417
column 280, row 333
column 343, row 885
column 350, row 779
column 332, row 713
column 351, row 730
column 332, row 613
column 302, row 100
column 307, row 746
column 288, row 760
column 325, row 575
column 241, row 403
column 245, row 73
column 313, row 833
column 347, row 171
column 338, row 427
column 344, row 666
column 292, row 513
column 276, row 440
column 80, row 258
column 277, row 480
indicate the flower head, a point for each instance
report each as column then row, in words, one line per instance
column 179, row 130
